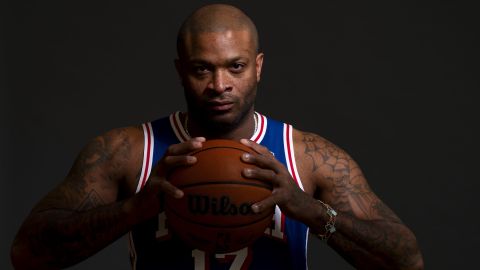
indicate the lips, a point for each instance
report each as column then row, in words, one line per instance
column 220, row 106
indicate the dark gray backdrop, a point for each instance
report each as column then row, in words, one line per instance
column 392, row 83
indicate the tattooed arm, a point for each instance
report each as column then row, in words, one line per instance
column 369, row 235
column 82, row 214
column 95, row 204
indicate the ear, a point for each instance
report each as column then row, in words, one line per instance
column 258, row 65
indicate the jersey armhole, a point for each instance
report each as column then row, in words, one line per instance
column 147, row 156
column 290, row 154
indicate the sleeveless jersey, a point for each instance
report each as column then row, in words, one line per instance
column 284, row 244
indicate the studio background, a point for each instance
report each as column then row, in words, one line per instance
column 393, row 83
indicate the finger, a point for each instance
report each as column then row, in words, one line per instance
column 177, row 161
column 167, row 188
column 256, row 147
column 262, row 161
column 259, row 174
column 168, row 163
column 264, row 205
column 185, row 147
column 198, row 139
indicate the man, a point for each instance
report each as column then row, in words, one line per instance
column 117, row 183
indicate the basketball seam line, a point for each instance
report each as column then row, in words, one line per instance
column 232, row 182
column 214, row 147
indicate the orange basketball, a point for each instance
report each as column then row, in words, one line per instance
column 215, row 214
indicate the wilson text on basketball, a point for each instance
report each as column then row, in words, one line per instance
column 203, row 205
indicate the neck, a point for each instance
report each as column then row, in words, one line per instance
column 243, row 128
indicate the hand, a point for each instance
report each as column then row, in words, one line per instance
column 286, row 194
column 157, row 184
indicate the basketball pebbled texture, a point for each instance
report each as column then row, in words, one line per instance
column 215, row 214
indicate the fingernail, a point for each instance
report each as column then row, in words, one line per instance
column 191, row 159
column 246, row 156
column 244, row 141
column 248, row 172
column 202, row 139
column 255, row 208
column 178, row 194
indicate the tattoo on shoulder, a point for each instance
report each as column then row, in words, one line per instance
column 324, row 153
column 114, row 144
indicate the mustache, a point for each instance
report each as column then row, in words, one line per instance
column 223, row 99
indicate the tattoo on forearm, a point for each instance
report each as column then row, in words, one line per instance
column 379, row 237
column 384, row 211
column 70, row 236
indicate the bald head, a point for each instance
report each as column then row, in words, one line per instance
column 215, row 18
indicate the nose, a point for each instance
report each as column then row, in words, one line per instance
column 220, row 81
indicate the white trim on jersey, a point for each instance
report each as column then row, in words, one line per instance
column 182, row 129
column 147, row 155
column 261, row 128
column 133, row 251
column 290, row 154
column 306, row 246
column 181, row 134
column 178, row 128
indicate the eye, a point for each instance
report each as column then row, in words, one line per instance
column 237, row 67
column 200, row 70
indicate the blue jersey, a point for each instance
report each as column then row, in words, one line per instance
column 284, row 244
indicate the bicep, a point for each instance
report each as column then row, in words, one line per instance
column 339, row 181
column 94, row 177
column 350, row 192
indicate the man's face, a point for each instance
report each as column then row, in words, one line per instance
column 220, row 72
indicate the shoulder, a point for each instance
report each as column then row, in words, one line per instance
column 319, row 154
column 119, row 153
column 117, row 143
column 320, row 161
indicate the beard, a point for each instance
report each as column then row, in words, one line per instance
column 220, row 123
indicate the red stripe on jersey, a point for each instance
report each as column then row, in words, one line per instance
column 262, row 125
column 289, row 154
column 149, row 151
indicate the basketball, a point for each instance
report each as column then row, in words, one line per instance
column 215, row 214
